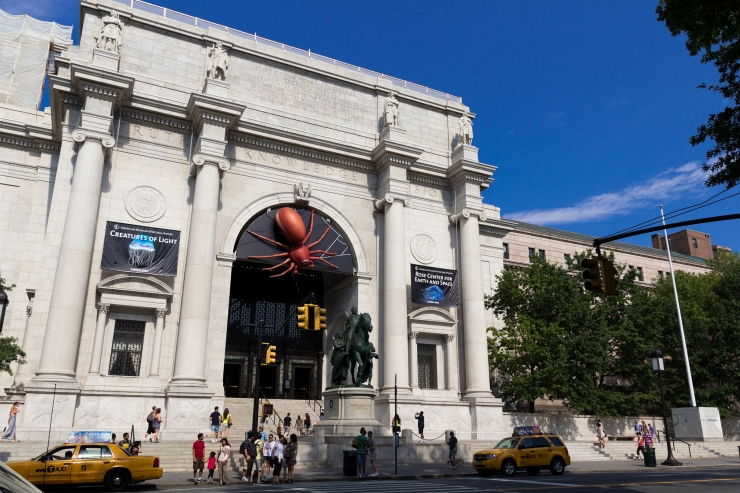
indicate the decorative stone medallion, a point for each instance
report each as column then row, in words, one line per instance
column 145, row 203
column 424, row 249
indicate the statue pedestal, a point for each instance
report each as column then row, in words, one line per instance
column 346, row 410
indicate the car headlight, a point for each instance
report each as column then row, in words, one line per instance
column 487, row 456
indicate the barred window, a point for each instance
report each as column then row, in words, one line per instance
column 426, row 355
column 506, row 250
column 128, row 341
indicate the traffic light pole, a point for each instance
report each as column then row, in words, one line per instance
column 255, row 389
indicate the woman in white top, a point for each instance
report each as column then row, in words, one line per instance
column 277, row 461
column 267, row 454
column 223, row 461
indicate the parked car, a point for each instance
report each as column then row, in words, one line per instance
column 529, row 449
column 12, row 482
column 77, row 464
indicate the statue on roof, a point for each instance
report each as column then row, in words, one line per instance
column 466, row 130
column 110, row 34
column 218, row 62
column 391, row 110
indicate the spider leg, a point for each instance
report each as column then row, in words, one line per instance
column 269, row 240
column 286, row 271
column 284, row 254
column 322, row 251
column 278, row 265
column 325, row 261
column 314, row 243
column 310, row 229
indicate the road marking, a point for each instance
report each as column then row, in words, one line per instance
column 544, row 483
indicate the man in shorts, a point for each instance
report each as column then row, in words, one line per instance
column 249, row 452
column 199, row 455
column 215, row 424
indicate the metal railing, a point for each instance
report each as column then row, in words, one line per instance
column 679, row 440
column 211, row 26
column 314, row 404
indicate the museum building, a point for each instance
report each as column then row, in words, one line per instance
column 192, row 185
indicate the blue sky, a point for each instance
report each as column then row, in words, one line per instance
column 585, row 107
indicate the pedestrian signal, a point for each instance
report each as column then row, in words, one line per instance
column 319, row 318
column 592, row 274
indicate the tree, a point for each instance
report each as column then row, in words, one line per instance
column 713, row 29
column 10, row 352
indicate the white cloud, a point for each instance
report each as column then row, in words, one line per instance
column 665, row 186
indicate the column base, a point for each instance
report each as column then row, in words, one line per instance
column 391, row 390
column 187, row 387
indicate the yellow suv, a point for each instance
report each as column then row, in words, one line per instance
column 527, row 449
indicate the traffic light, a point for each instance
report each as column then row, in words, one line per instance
column 610, row 277
column 270, row 354
column 304, row 317
column 319, row 320
column 592, row 274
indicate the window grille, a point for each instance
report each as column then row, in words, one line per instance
column 426, row 355
column 128, row 342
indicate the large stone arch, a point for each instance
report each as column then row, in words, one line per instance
column 228, row 246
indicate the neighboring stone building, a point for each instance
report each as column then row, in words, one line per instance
column 136, row 207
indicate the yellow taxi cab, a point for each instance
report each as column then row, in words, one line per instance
column 528, row 448
column 77, row 464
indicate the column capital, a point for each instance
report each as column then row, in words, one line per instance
column 106, row 140
column 388, row 199
column 449, row 337
column 201, row 159
column 467, row 213
column 160, row 312
column 413, row 335
column 103, row 308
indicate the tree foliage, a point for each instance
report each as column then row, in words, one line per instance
column 713, row 29
column 561, row 342
column 10, row 352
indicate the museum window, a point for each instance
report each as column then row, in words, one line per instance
column 427, row 361
column 694, row 243
column 541, row 253
column 506, row 251
column 531, row 254
column 128, row 343
column 640, row 275
column 661, row 274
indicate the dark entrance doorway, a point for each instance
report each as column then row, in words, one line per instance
column 302, row 382
column 232, row 379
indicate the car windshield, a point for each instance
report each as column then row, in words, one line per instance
column 507, row 443
column 57, row 453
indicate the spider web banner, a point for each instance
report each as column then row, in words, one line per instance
column 265, row 225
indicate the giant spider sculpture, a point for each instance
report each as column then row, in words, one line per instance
column 299, row 254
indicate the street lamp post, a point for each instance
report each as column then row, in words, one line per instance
column 657, row 362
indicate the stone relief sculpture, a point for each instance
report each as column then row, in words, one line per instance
column 111, row 33
column 466, row 130
column 353, row 353
column 218, row 62
column 391, row 110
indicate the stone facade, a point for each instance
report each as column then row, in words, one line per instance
column 158, row 129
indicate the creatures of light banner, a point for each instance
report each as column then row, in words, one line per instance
column 434, row 286
column 143, row 249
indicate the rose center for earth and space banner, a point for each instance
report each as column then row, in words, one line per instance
column 434, row 286
column 143, row 249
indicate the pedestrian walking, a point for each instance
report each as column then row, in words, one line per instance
column 359, row 443
column 638, row 428
column 648, row 438
column 259, row 446
column 372, row 452
column 291, row 456
column 199, row 455
column 267, row 454
column 452, row 446
column 420, row 423
column 277, row 460
column 248, row 450
column 307, row 423
column 287, row 422
column 651, row 429
column 149, row 418
column 215, row 424
column 299, row 424
column 600, row 434
column 211, row 466
column 640, row 446
column 157, row 424
column 223, row 460
column 226, row 422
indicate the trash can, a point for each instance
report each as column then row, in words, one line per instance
column 349, row 463
column 649, row 454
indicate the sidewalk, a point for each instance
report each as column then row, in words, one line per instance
column 426, row 471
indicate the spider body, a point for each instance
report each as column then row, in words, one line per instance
column 298, row 253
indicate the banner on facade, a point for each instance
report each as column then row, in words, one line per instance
column 143, row 249
column 434, row 286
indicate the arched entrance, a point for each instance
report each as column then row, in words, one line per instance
column 264, row 289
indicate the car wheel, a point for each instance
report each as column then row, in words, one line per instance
column 533, row 471
column 557, row 466
column 117, row 479
column 508, row 467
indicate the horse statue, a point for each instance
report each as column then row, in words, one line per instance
column 353, row 352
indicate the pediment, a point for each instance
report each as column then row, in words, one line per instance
column 433, row 316
column 135, row 285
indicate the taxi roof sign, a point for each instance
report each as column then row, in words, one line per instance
column 520, row 431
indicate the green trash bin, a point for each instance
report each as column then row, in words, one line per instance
column 349, row 463
column 649, row 454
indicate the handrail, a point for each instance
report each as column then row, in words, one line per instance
column 679, row 440
column 274, row 412
column 212, row 26
column 313, row 403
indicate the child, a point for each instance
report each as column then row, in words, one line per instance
column 211, row 466
column 640, row 445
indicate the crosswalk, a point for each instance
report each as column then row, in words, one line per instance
column 384, row 486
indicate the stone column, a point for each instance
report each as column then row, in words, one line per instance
column 99, row 336
column 395, row 304
column 413, row 360
column 192, row 338
column 61, row 340
column 450, row 362
column 157, row 348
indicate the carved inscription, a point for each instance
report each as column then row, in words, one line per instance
column 147, row 133
column 426, row 192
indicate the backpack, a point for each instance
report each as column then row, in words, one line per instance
column 243, row 447
column 150, row 417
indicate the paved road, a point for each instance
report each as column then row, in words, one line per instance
column 717, row 479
